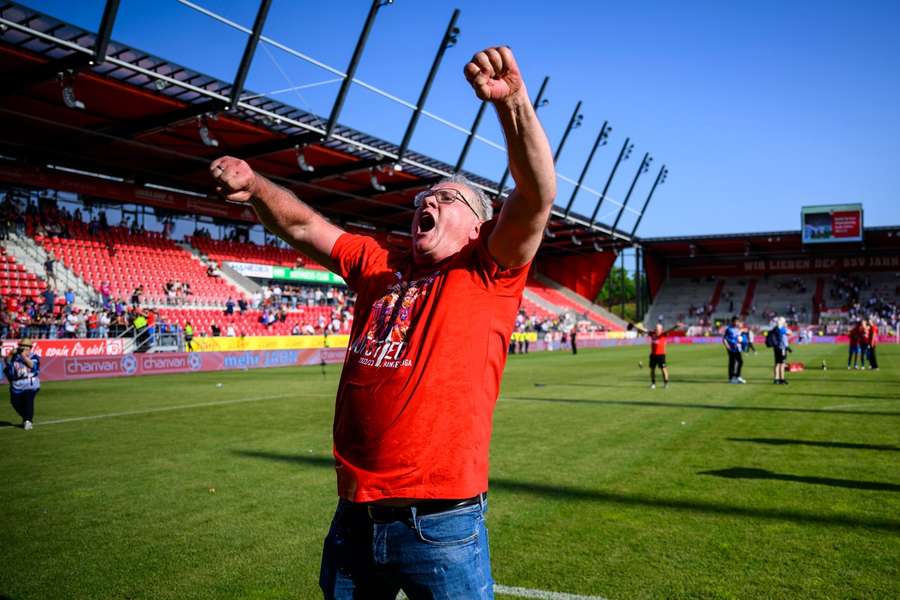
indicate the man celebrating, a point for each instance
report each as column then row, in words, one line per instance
column 658, row 351
column 415, row 402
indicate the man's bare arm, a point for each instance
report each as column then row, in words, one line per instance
column 277, row 208
column 495, row 77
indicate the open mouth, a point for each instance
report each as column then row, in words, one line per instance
column 426, row 222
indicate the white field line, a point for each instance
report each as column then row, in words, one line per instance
column 520, row 592
column 147, row 411
column 541, row 594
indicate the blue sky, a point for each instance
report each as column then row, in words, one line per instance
column 757, row 108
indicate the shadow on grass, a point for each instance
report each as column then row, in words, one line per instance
column 556, row 492
column 645, row 403
column 8, row 424
column 853, row 484
column 789, row 442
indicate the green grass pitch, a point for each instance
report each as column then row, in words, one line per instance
column 599, row 485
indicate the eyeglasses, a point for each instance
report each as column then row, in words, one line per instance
column 444, row 196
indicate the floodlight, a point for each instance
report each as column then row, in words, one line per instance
column 205, row 136
column 68, row 93
column 373, row 179
column 301, row 160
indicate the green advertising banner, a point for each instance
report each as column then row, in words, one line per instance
column 308, row 275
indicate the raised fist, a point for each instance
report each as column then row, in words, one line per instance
column 494, row 74
column 235, row 180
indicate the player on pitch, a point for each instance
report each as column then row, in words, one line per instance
column 415, row 401
column 657, row 350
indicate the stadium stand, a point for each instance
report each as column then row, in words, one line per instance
column 681, row 299
column 16, row 283
column 309, row 319
column 127, row 260
column 553, row 296
column 229, row 250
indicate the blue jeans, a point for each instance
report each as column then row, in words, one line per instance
column 441, row 555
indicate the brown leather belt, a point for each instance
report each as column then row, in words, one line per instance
column 388, row 514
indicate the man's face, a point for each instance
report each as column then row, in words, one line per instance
column 659, row 329
column 441, row 230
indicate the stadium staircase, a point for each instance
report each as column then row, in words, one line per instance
column 817, row 299
column 247, row 285
column 225, row 250
column 717, row 295
column 127, row 260
column 747, row 304
column 560, row 299
column 31, row 256
column 674, row 298
column 772, row 294
column 533, row 304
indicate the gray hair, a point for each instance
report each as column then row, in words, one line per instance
column 487, row 209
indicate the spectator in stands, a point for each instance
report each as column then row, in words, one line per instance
column 169, row 291
column 214, row 329
column 103, row 323
column 105, row 293
column 92, row 323
column 139, row 322
column 189, row 336
column 242, row 305
column 49, row 296
column 229, row 306
column 71, row 324
column 732, row 342
column 137, row 295
column 229, row 331
column 295, row 330
column 82, row 323
column 70, row 298
column 49, row 266
column 444, row 465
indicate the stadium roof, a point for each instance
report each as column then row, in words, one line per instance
column 75, row 99
column 882, row 240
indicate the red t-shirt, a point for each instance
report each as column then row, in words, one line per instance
column 873, row 335
column 422, row 373
column 657, row 343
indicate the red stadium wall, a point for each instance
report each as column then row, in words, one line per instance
column 655, row 271
column 583, row 274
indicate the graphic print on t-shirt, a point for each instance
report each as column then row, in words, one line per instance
column 383, row 342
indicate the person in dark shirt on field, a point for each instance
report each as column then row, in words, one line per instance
column 732, row 342
column 21, row 369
